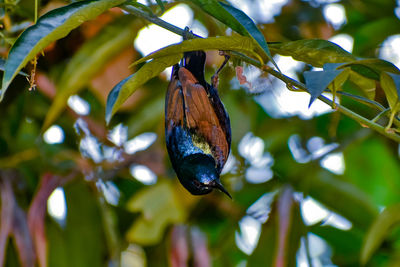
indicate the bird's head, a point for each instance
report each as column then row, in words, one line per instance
column 199, row 175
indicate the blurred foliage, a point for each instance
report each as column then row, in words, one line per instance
column 114, row 219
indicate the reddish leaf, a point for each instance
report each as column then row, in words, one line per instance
column 37, row 213
column 23, row 240
column 179, row 250
column 285, row 206
column 13, row 223
column 201, row 255
column 7, row 208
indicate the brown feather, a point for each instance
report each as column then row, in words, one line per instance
column 201, row 117
column 174, row 102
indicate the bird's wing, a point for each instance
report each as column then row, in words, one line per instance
column 174, row 103
column 202, row 120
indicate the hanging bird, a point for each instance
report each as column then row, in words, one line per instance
column 197, row 126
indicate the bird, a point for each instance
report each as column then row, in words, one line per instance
column 197, row 126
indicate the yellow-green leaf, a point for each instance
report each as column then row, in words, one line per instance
column 238, row 43
column 120, row 93
column 158, row 206
column 390, row 90
column 367, row 86
column 379, row 230
column 316, row 52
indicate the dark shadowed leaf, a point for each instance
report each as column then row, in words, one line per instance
column 86, row 64
column 316, row 52
column 372, row 68
column 120, row 93
column 379, row 230
column 52, row 26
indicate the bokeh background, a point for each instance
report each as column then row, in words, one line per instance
column 307, row 183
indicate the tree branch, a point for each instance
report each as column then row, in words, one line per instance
column 291, row 83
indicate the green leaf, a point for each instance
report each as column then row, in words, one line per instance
column 345, row 243
column 120, row 93
column 373, row 32
column 372, row 68
column 161, row 5
column 81, row 241
column 52, row 26
column 3, row 63
column 379, row 230
column 318, row 81
column 396, row 81
column 90, row 59
column 238, row 43
column 159, row 206
column 251, row 28
column 213, row 8
column 367, row 85
column 343, row 198
column 316, row 52
column 389, row 83
column 374, row 160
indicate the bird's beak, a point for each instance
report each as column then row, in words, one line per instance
column 218, row 185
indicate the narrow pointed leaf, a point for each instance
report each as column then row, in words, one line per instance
column 90, row 59
column 379, row 230
column 213, row 8
column 52, row 26
column 238, row 43
column 318, row 81
column 316, row 52
column 290, row 229
column 251, row 28
column 120, row 93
